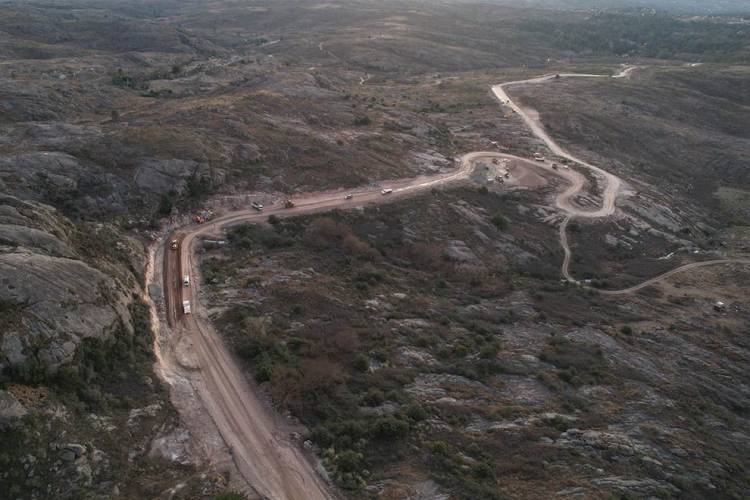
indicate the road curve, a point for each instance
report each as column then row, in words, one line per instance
column 271, row 464
column 611, row 184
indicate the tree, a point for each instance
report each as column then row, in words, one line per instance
column 166, row 203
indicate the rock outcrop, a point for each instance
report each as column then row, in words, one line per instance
column 51, row 299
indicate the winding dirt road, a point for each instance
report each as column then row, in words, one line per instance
column 265, row 457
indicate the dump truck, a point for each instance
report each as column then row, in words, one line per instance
column 186, row 280
column 186, row 306
column 257, row 206
column 288, row 203
column 386, row 191
column 174, row 245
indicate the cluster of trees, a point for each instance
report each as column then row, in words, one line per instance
column 646, row 34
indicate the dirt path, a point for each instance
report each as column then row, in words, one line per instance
column 269, row 462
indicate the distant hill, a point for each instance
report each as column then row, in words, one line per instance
column 683, row 6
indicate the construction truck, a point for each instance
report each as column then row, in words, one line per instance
column 174, row 245
column 288, row 203
column 186, row 306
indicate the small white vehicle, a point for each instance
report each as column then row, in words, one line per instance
column 386, row 191
column 257, row 206
column 186, row 306
column 348, row 196
column 186, row 280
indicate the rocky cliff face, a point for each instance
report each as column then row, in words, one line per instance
column 51, row 299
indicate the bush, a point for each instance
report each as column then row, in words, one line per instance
column 499, row 221
column 416, row 412
column 373, row 397
column 626, row 330
column 230, row 495
column 362, row 121
column 389, row 428
column 361, row 363
column 489, row 351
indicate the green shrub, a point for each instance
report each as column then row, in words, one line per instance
column 489, row 351
column 373, row 397
column 389, row 428
column 361, row 363
column 416, row 412
column 230, row 495
column 499, row 221
column 361, row 121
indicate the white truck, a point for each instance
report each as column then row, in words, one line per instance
column 386, row 191
column 257, row 206
column 186, row 280
column 186, row 306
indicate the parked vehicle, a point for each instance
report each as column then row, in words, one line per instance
column 174, row 245
column 386, row 191
column 348, row 196
column 186, row 280
column 186, row 306
column 257, row 206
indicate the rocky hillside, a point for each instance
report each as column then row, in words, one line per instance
column 433, row 352
column 76, row 365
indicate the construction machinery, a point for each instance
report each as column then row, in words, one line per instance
column 174, row 244
column 288, row 203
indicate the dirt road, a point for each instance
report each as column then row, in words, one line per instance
column 610, row 181
column 268, row 461
column 681, row 269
